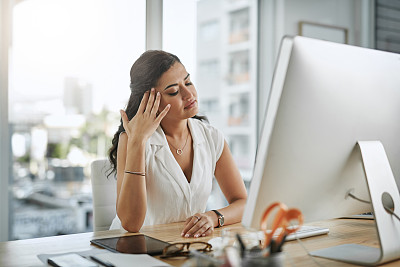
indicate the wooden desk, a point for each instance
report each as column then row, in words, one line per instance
column 342, row 231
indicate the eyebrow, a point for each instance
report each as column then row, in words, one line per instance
column 174, row 84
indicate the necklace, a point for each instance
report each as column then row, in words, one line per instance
column 179, row 151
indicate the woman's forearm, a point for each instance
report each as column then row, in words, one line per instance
column 132, row 202
column 232, row 213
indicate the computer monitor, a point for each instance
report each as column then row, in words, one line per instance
column 325, row 97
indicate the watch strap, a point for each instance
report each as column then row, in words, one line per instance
column 220, row 216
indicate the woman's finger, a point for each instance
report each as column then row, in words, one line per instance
column 190, row 222
column 206, row 227
column 156, row 105
column 163, row 113
column 209, row 231
column 143, row 103
column 124, row 118
column 199, row 228
column 150, row 102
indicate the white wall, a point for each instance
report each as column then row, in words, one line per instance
column 337, row 13
column 281, row 17
column 355, row 15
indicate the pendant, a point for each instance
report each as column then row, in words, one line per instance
column 179, row 151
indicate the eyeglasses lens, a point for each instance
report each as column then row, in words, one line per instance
column 198, row 246
column 182, row 249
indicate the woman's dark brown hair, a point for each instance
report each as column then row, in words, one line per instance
column 145, row 73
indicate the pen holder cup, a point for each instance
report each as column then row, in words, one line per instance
column 249, row 238
column 274, row 260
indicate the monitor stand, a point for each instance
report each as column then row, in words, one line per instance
column 383, row 191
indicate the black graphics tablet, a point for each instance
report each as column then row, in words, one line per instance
column 133, row 244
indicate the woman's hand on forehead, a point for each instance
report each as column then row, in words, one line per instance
column 147, row 118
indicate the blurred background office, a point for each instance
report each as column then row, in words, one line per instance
column 64, row 67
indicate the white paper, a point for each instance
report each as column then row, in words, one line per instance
column 129, row 260
column 72, row 260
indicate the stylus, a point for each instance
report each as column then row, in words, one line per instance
column 104, row 263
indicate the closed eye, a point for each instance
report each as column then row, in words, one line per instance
column 174, row 93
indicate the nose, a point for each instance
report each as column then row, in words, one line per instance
column 186, row 92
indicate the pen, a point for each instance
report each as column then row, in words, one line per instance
column 272, row 246
column 104, row 263
column 276, row 247
column 242, row 246
column 279, row 248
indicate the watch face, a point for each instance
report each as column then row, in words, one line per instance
column 221, row 220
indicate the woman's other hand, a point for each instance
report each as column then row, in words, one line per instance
column 198, row 225
column 147, row 119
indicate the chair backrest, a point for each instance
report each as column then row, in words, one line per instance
column 104, row 190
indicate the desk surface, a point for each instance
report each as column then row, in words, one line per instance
column 342, row 231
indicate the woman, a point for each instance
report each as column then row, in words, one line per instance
column 165, row 156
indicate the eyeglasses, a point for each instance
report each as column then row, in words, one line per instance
column 182, row 249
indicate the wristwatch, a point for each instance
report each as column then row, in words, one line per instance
column 221, row 219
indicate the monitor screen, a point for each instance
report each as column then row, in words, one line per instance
column 324, row 98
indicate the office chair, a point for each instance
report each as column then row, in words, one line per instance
column 104, row 190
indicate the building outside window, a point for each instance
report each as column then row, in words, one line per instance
column 222, row 35
column 232, row 93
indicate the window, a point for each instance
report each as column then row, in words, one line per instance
column 208, row 31
column 239, row 25
column 234, row 89
column 239, row 110
column 219, row 34
column 68, row 78
column 387, row 25
column 209, row 68
column 239, row 67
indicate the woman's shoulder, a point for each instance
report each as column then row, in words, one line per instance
column 206, row 130
column 203, row 126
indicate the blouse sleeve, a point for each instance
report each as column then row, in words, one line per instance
column 218, row 140
column 219, row 143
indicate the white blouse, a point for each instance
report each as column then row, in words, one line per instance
column 170, row 197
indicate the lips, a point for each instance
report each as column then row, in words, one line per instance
column 190, row 104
